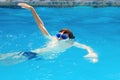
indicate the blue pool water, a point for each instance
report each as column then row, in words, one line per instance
column 96, row 27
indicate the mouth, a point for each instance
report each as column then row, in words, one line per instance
column 60, row 39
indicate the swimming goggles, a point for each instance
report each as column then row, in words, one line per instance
column 63, row 36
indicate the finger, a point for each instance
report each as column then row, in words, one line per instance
column 19, row 4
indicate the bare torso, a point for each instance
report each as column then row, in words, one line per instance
column 54, row 47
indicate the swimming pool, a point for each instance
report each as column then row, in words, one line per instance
column 96, row 27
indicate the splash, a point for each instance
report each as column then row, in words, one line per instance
column 11, row 58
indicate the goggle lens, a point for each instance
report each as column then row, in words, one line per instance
column 63, row 36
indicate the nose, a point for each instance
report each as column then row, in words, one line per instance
column 60, row 38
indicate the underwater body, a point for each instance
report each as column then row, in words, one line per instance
column 96, row 27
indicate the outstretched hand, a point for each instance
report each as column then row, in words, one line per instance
column 92, row 57
column 24, row 5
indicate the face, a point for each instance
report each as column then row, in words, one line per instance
column 62, row 35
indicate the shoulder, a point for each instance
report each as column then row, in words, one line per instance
column 51, row 37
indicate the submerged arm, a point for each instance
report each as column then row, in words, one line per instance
column 91, row 54
column 36, row 17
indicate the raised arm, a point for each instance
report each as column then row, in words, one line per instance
column 36, row 17
column 92, row 56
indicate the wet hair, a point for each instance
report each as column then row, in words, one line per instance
column 67, row 31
